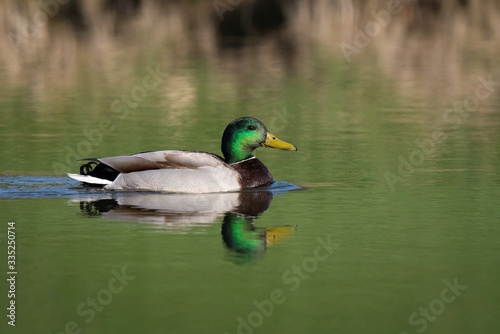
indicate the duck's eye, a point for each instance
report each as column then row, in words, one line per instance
column 251, row 127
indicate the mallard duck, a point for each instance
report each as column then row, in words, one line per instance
column 190, row 171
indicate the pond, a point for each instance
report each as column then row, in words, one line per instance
column 385, row 220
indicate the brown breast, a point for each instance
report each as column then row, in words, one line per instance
column 253, row 173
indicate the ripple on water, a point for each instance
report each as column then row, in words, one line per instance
column 39, row 187
column 53, row 187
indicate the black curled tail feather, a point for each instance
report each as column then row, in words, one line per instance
column 99, row 170
column 86, row 169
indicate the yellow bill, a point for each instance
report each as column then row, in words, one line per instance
column 276, row 235
column 274, row 142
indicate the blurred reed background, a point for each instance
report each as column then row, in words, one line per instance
column 50, row 45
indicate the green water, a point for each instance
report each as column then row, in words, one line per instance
column 362, row 248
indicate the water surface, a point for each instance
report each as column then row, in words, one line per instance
column 384, row 221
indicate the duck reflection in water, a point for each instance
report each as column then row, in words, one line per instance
column 192, row 213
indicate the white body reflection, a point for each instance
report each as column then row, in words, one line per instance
column 194, row 213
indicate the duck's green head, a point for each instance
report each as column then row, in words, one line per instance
column 245, row 134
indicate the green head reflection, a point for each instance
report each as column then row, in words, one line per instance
column 240, row 235
column 247, row 241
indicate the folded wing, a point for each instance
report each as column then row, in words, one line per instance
column 170, row 159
